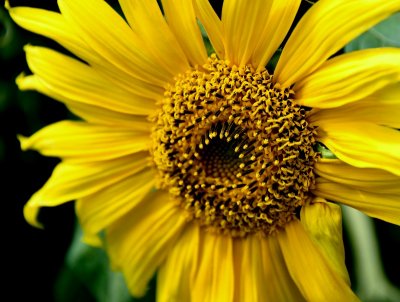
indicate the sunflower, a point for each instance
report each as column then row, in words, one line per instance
column 207, row 168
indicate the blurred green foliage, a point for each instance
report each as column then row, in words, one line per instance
column 87, row 275
column 385, row 34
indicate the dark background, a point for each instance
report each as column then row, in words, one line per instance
column 33, row 258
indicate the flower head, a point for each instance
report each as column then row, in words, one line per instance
column 207, row 168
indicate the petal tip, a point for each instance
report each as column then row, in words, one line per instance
column 20, row 79
column 31, row 212
column 25, row 82
column 7, row 5
column 24, row 142
column 29, row 48
column 92, row 240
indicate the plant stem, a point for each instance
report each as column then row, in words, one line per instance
column 371, row 281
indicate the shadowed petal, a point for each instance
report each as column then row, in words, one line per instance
column 309, row 268
column 214, row 279
column 260, row 271
column 323, row 221
column 176, row 276
column 139, row 243
column 99, row 210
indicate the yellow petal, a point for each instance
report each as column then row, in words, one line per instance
column 90, row 113
column 212, row 24
column 81, row 141
column 176, row 275
column 81, row 83
column 71, row 181
column 349, row 77
column 244, row 23
column 361, row 144
column 277, row 278
column 323, row 222
column 51, row 25
column 146, row 19
column 382, row 107
column 378, row 205
column 181, row 18
column 367, row 179
column 55, row 26
column 248, row 270
column 99, row 210
column 310, row 269
column 260, row 271
column 101, row 116
column 326, row 27
column 275, row 29
column 117, row 44
column 214, row 279
column 139, row 242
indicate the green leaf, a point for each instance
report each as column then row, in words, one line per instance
column 385, row 34
column 206, row 40
column 87, row 276
column 325, row 152
column 10, row 42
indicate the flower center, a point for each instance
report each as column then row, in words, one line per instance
column 234, row 149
